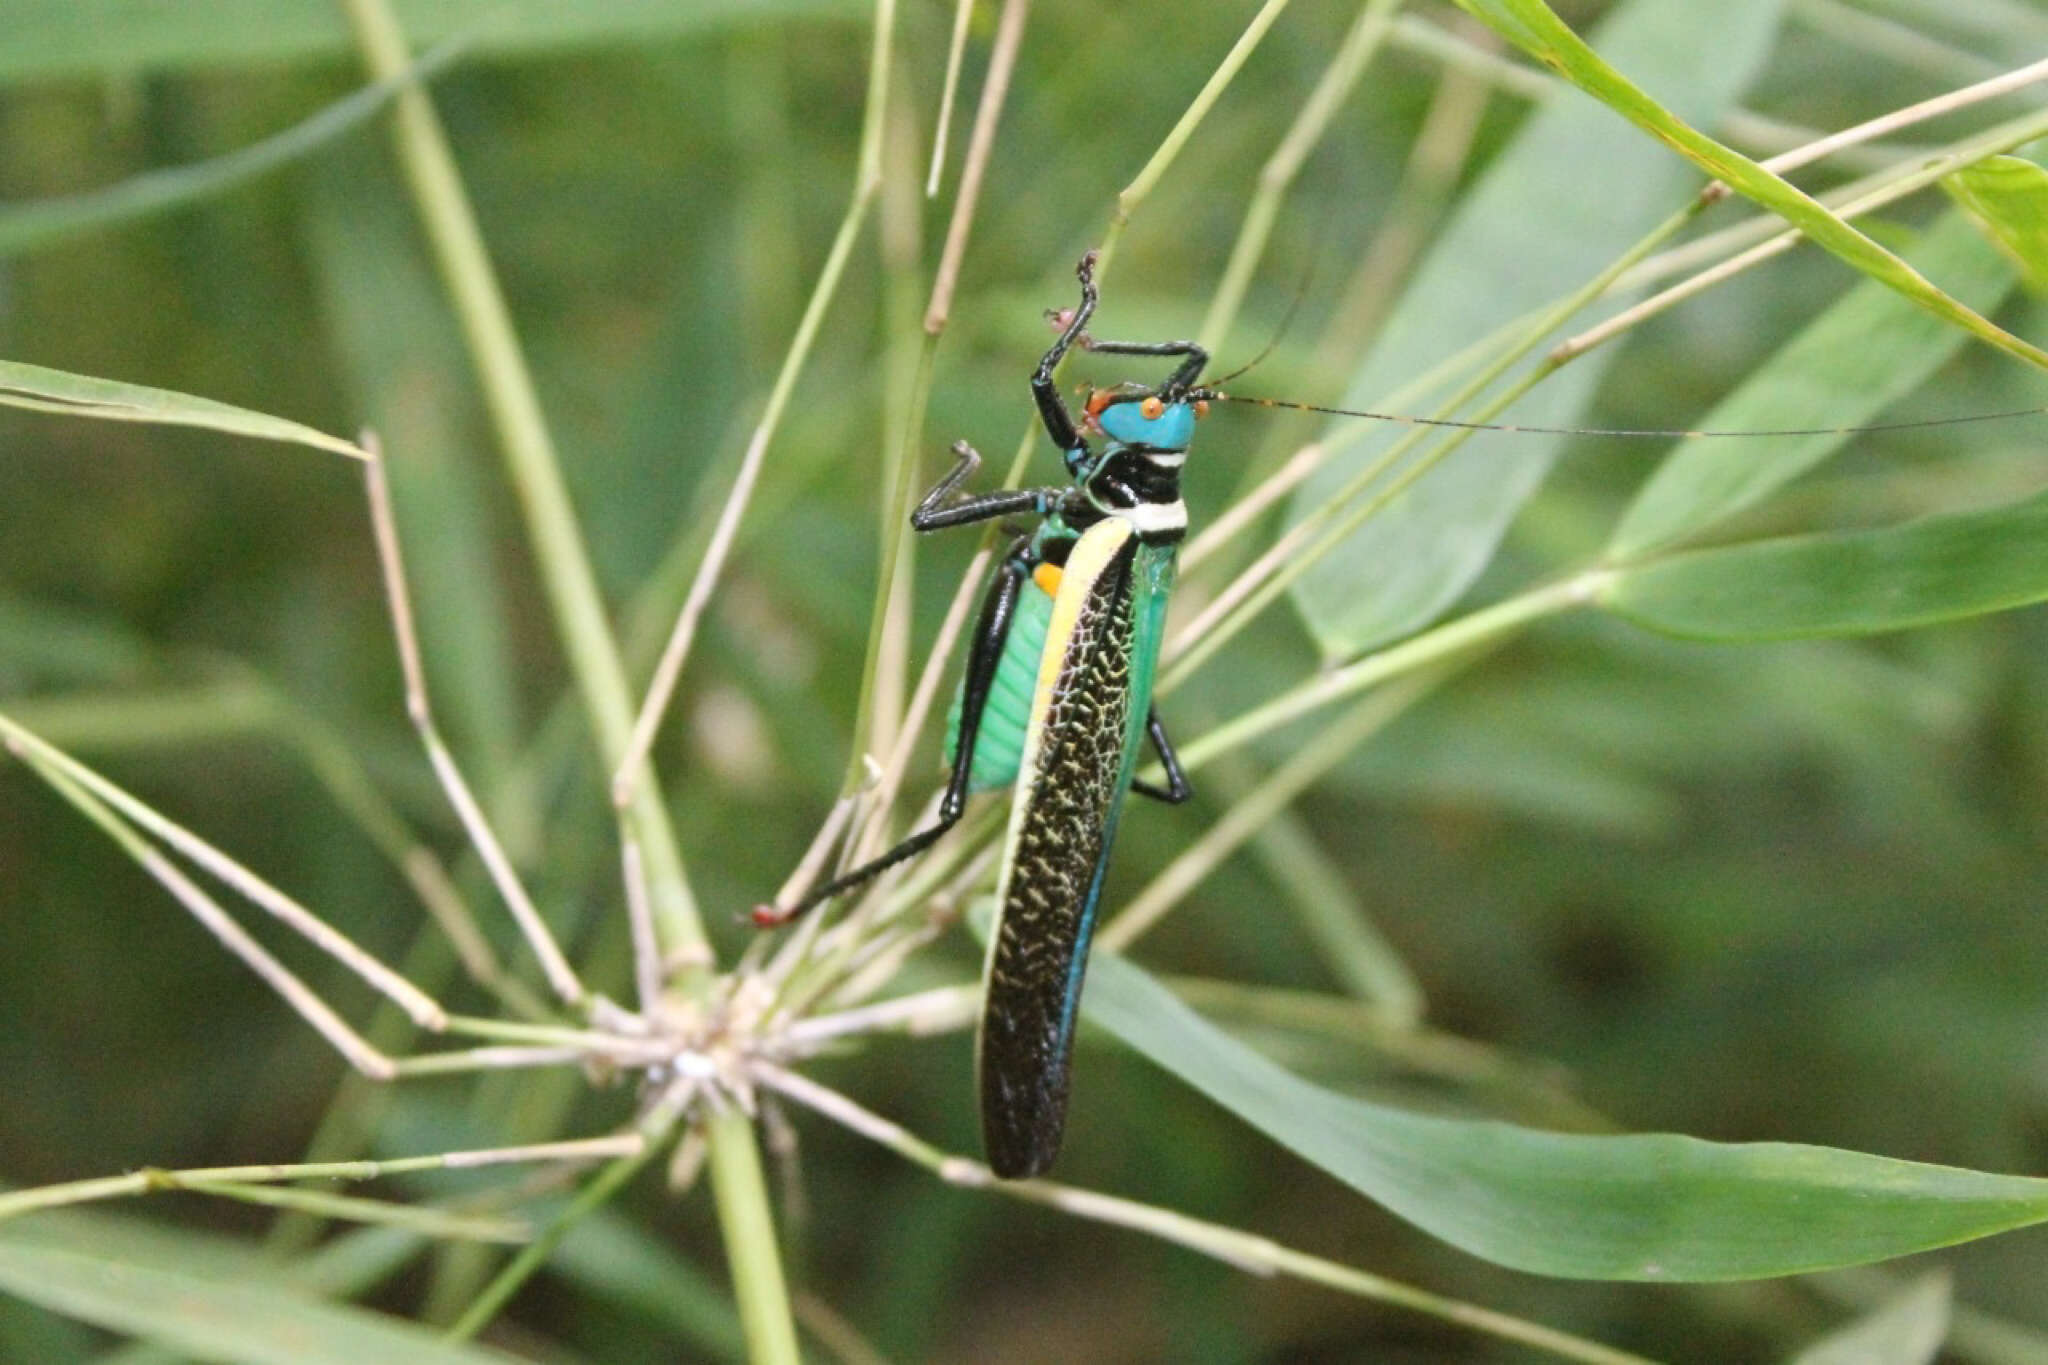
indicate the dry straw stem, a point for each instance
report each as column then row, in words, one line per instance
column 52, row 763
column 419, row 708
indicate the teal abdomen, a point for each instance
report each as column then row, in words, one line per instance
column 999, row 746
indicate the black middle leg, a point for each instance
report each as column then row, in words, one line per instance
column 932, row 515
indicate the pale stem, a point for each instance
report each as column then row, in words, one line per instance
column 419, row 708
column 1246, row 1251
column 577, row 605
column 549, row 1035
column 1169, row 149
column 149, row 1180
column 302, row 998
column 1445, row 642
column 1871, row 129
column 812, row 865
column 1891, row 188
column 491, row 1059
column 940, row 1010
column 995, row 91
column 1251, row 811
column 647, row 967
column 956, row 51
column 1367, row 32
column 1241, row 513
column 421, row 1008
column 669, row 671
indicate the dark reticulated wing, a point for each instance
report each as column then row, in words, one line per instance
column 1067, row 804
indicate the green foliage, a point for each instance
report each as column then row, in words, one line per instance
column 1779, row 896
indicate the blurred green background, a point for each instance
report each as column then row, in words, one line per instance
column 1786, row 892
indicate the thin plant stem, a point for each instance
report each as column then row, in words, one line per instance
column 995, row 92
column 1161, row 161
column 956, row 52
column 531, row 461
column 649, row 972
column 422, row 1009
column 1338, row 80
column 632, row 762
column 1473, row 631
column 419, row 708
column 1924, row 172
column 151, row 1180
column 491, row 1059
column 534, row 1254
column 762, row 1293
column 303, row 999
column 1250, row 811
column 1246, row 1251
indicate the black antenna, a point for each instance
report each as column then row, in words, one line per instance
column 1669, row 434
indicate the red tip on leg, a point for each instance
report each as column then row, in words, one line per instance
column 770, row 916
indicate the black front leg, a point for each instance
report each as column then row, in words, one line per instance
column 1052, row 409
column 1181, row 379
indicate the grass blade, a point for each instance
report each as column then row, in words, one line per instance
column 1843, row 369
column 1573, row 191
column 217, row 1319
column 1846, row 583
column 1639, row 1207
column 78, row 395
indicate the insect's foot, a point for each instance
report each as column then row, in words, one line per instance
column 769, row 916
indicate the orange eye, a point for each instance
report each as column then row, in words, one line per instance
column 1152, row 408
column 1201, row 407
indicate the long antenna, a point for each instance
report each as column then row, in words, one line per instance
column 1669, row 434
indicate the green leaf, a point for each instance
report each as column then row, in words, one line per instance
column 1639, row 1207
column 1572, row 191
column 1907, row 1330
column 227, row 1319
column 2008, row 197
column 1531, row 26
column 25, row 226
column 1845, row 583
column 78, row 395
column 1848, row 365
column 48, row 38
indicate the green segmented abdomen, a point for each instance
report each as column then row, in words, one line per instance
column 999, row 744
